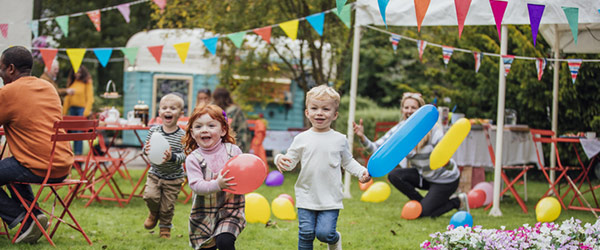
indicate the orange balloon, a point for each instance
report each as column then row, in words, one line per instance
column 366, row 185
column 249, row 173
column 412, row 210
column 476, row 198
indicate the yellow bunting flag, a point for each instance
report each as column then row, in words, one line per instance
column 290, row 28
column 182, row 50
column 76, row 56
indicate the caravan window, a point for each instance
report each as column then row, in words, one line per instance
column 179, row 84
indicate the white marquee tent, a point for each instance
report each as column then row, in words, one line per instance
column 553, row 26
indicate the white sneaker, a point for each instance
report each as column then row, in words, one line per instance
column 337, row 245
column 33, row 232
column 464, row 202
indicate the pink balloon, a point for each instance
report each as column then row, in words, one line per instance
column 287, row 196
column 488, row 188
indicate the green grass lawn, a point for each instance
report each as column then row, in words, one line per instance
column 362, row 225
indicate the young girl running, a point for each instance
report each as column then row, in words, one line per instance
column 217, row 217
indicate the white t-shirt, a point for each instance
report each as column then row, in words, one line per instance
column 322, row 154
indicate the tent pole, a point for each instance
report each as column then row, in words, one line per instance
column 555, row 98
column 353, row 83
column 495, row 211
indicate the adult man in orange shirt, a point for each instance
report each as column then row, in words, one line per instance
column 29, row 107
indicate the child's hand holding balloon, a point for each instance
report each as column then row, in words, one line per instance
column 365, row 177
column 283, row 164
column 224, row 182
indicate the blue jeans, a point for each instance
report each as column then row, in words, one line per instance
column 77, row 145
column 11, row 210
column 313, row 223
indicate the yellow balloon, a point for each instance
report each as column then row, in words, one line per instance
column 444, row 150
column 257, row 208
column 377, row 192
column 283, row 209
column 547, row 210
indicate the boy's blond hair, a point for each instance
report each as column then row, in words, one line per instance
column 323, row 92
column 173, row 97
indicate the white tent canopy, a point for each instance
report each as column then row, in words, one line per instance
column 554, row 27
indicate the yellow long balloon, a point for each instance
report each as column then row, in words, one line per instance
column 444, row 150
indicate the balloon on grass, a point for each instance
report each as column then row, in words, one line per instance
column 274, row 178
column 283, row 209
column 547, row 210
column 257, row 208
column 402, row 141
column 461, row 219
column 488, row 188
column 287, row 196
column 366, row 185
column 377, row 192
column 444, row 150
column 476, row 198
column 248, row 171
column 412, row 210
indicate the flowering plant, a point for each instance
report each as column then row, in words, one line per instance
column 569, row 235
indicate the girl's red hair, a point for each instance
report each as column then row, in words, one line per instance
column 214, row 112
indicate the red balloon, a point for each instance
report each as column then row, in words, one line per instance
column 476, row 198
column 249, row 173
column 287, row 196
column 412, row 210
column 366, row 185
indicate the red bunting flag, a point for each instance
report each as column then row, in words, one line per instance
column 507, row 60
column 48, row 56
column 574, row 65
column 94, row 16
column 421, row 44
column 478, row 58
column 4, row 29
column 156, row 51
column 540, row 65
column 421, row 7
column 264, row 32
column 462, row 8
column 161, row 4
column 447, row 53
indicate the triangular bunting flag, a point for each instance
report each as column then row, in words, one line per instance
column 182, row 50
column 535, row 16
column 345, row 15
column 237, row 38
column 478, row 59
column 161, row 4
column 382, row 6
column 76, row 56
column 395, row 39
column 574, row 65
column 507, row 60
column 130, row 54
column 421, row 44
column 35, row 26
column 421, row 9
column 103, row 55
column 48, row 56
column 462, row 8
column 573, row 19
column 4, row 29
column 156, row 52
column 316, row 21
column 339, row 4
column 447, row 53
column 498, row 8
column 94, row 16
column 211, row 44
column 63, row 23
column 540, row 65
column 290, row 28
column 124, row 9
column 264, row 32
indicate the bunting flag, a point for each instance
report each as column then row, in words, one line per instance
column 237, row 38
column 63, row 23
column 156, row 52
column 446, row 54
column 316, row 21
column 211, row 44
column 478, row 59
column 161, row 4
column 345, row 15
column 507, row 60
column 182, row 50
column 339, row 4
column 421, row 44
column 264, row 32
column 395, row 39
column 4, row 29
column 290, row 28
column 103, row 55
column 498, row 8
column 540, row 65
column 76, row 56
column 382, row 6
column 421, row 7
column 130, row 54
column 535, row 16
column 124, row 9
column 35, row 26
column 94, row 16
column 462, row 8
column 573, row 19
column 574, row 65
column 48, row 56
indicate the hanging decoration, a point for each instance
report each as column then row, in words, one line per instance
column 76, row 56
column 237, row 38
column 573, row 19
column 446, row 54
column 63, row 23
column 507, row 60
column 395, row 39
column 182, row 50
column 95, row 18
column 535, row 16
column 421, row 7
column 34, row 26
column 316, row 21
column 211, row 44
column 290, row 28
column 125, row 11
column 4, row 29
column 161, row 4
column 498, row 9
column 462, row 8
column 48, row 56
column 339, row 4
column 540, row 65
column 421, row 44
column 264, row 32
column 478, row 58
column 574, row 65
column 345, row 15
column 103, row 55
column 156, row 52
column 382, row 6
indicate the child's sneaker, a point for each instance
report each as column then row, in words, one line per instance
column 165, row 233
column 337, row 245
column 464, row 202
column 151, row 220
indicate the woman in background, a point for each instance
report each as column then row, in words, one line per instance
column 235, row 117
column 81, row 101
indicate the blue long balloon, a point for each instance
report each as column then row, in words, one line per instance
column 402, row 141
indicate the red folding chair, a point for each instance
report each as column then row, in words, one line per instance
column 5, row 232
column 88, row 133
